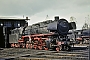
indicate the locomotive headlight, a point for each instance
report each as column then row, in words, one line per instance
column 63, row 24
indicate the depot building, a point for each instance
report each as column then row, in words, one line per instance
column 7, row 24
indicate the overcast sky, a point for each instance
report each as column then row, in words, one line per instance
column 37, row 10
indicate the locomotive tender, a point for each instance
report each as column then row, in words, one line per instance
column 54, row 37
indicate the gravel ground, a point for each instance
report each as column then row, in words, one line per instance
column 79, row 53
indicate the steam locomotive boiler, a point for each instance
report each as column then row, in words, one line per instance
column 56, row 38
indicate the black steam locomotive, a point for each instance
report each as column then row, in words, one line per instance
column 56, row 32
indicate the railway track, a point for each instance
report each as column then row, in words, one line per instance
column 27, row 54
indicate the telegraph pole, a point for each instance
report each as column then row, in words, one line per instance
column 46, row 17
column 88, row 22
column 72, row 19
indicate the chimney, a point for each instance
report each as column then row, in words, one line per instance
column 56, row 18
column 26, row 18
